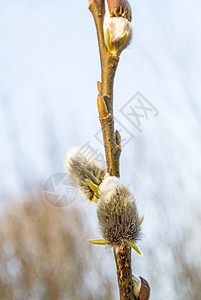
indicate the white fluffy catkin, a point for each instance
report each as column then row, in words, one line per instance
column 117, row 213
column 117, row 33
column 81, row 167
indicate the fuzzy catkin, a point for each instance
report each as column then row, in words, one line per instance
column 117, row 213
column 117, row 33
column 81, row 167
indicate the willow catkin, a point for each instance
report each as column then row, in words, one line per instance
column 117, row 213
column 80, row 168
column 117, row 33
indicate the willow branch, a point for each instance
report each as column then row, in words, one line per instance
column 108, row 68
column 112, row 139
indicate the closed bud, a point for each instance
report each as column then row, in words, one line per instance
column 136, row 285
column 141, row 288
column 119, row 8
column 117, row 34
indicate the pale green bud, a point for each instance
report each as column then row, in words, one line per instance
column 117, row 34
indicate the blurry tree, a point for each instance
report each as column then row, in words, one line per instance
column 41, row 258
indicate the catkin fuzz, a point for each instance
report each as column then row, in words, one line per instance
column 117, row 213
column 81, row 168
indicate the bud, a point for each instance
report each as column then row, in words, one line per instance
column 120, row 8
column 141, row 288
column 117, row 34
column 117, row 213
column 87, row 173
column 136, row 285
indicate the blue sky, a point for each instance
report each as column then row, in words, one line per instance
column 49, row 68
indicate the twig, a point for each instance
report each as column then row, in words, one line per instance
column 112, row 139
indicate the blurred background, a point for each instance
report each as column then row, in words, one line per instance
column 49, row 66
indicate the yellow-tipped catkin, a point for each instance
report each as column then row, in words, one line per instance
column 84, row 170
column 117, row 213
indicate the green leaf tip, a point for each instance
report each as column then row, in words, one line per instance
column 135, row 247
column 141, row 220
column 94, row 188
column 98, row 242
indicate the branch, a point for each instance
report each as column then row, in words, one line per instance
column 124, row 273
column 112, row 139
